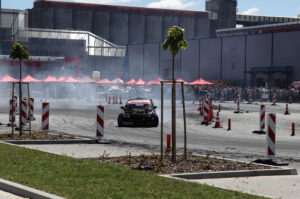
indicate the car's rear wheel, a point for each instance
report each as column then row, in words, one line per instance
column 120, row 120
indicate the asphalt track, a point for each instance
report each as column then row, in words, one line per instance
column 239, row 143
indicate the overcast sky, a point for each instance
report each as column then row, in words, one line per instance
column 289, row 8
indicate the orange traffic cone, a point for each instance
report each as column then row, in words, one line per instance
column 287, row 110
column 217, row 124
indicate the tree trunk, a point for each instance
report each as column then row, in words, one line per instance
column 20, row 101
column 173, row 111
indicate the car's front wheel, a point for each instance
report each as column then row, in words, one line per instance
column 120, row 120
column 155, row 121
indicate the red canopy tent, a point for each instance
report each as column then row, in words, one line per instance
column 86, row 79
column 130, row 82
column 104, row 81
column 28, row 78
column 200, row 82
column 71, row 79
column 50, row 78
column 61, row 79
column 179, row 79
column 7, row 78
column 140, row 82
column 117, row 81
column 154, row 82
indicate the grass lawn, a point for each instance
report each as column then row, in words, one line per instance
column 82, row 178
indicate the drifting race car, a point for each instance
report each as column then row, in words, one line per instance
column 138, row 111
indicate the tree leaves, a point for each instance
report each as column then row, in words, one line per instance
column 19, row 52
column 175, row 40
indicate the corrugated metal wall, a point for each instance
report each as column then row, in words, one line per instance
column 227, row 58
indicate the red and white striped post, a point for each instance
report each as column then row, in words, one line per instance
column 274, row 99
column 293, row 129
column 12, row 115
column 219, row 107
column 31, row 109
column 45, row 116
column 24, row 113
column 100, row 122
column 109, row 102
column 15, row 98
column 271, row 135
column 206, row 111
column 168, row 142
column 229, row 125
column 238, row 105
column 121, row 100
column 250, row 101
column 262, row 115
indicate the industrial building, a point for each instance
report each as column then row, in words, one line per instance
column 78, row 38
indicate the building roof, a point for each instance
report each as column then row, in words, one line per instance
column 118, row 9
column 268, row 28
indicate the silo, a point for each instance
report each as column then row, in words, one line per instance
column 136, row 28
column 63, row 18
column 82, row 20
column 101, row 24
column 119, row 28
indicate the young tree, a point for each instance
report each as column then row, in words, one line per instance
column 175, row 40
column 19, row 52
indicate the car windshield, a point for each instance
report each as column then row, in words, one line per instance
column 138, row 104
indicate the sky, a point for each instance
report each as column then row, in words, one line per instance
column 284, row 8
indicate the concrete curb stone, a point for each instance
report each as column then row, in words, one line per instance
column 25, row 191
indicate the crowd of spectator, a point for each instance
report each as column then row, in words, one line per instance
column 256, row 94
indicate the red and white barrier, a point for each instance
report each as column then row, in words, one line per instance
column 262, row 115
column 271, row 136
column 45, row 116
column 12, row 112
column 31, row 109
column 24, row 113
column 100, row 122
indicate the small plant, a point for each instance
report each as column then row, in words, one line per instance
column 207, row 154
column 72, row 137
column 60, row 135
column 104, row 156
column 128, row 158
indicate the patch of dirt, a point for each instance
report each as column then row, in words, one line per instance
column 35, row 135
column 193, row 164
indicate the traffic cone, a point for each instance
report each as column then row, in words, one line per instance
column 217, row 124
column 287, row 110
